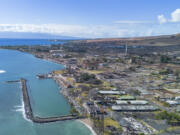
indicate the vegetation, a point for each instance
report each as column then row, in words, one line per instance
column 172, row 86
column 136, row 92
column 84, row 94
column 73, row 111
column 88, row 78
column 70, row 79
column 110, row 122
column 113, row 125
column 107, row 85
column 94, row 71
column 132, row 69
column 166, row 71
column 165, row 104
column 165, row 59
column 177, row 74
column 58, row 72
column 141, row 134
column 169, row 116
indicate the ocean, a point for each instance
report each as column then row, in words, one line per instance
column 13, row 42
column 45, row 97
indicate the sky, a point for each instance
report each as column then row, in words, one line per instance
column 91, row 18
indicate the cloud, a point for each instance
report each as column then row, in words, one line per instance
column 59, row 29
column 131, row 22
column 175, row 16
column 162, row 19
column 95, row 31
column 86, row 31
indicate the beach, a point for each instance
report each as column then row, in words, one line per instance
column 88, row 123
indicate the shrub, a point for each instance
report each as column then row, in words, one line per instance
column 169, row 116
column 165, row 59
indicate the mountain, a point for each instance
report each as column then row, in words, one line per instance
column 163, row 40
column 28, row 35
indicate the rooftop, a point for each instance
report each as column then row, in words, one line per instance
column 126, row 97
column 132, row 102
column 111, row 92
column 134, row 108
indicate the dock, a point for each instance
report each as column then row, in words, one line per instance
column 29, row 111
column 44, row 76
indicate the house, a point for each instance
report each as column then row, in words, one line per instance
column 102, row 65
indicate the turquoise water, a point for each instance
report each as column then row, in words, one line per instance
column 44, row 94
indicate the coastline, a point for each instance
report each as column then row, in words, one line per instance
column 87, row 122
column 84, row 121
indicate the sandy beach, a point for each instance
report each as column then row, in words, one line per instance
column 88, row 123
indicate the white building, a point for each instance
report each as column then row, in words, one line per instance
column 110, row 92
column 172, row 102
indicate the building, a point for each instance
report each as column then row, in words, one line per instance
column 122, row 102
column 131, row 102
column 90, row 64
column 138, row 102
column 126, row 98
column 177, row 98
column 111, row 92
column 172, row 102
column 132, row 108
column 56, row 51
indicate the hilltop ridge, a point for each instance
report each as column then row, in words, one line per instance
column 162, row 40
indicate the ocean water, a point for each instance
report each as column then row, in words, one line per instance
column 13, row 42
column 44, row 95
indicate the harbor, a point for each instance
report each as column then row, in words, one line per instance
column 45, row 99
column 36, row 119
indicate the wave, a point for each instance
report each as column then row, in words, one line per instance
column 2, row 71
column 21, row 109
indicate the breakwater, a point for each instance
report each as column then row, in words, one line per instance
column 12, row 81
column 36, row 119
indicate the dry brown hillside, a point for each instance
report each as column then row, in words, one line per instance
column 153, row 40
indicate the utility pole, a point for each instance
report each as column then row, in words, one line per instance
column 102, row 121
column 126, row 49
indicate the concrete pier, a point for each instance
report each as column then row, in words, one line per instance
column 29, row 112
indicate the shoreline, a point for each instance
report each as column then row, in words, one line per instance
column 64, row 93
column 87, row 123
